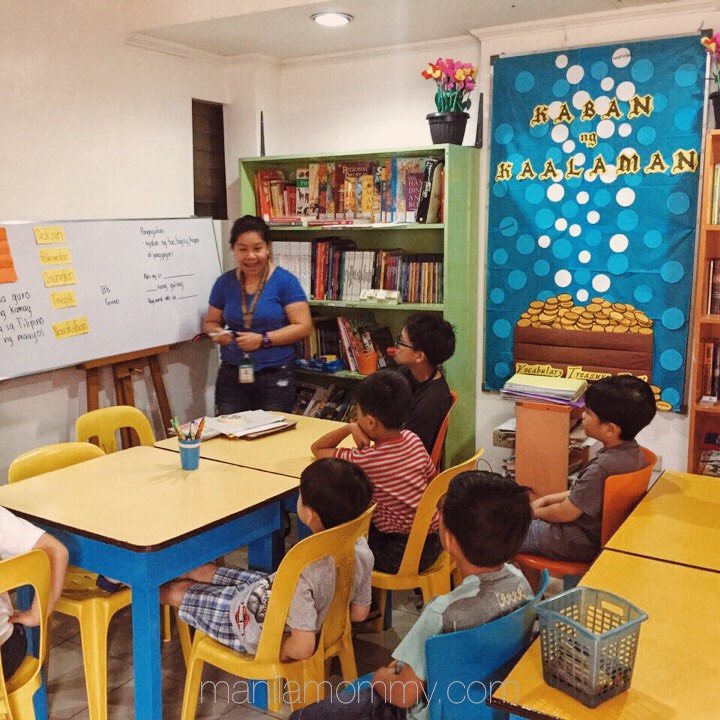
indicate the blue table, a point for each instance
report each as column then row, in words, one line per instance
column 137, row 517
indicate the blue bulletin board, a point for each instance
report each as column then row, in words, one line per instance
column 595, row 161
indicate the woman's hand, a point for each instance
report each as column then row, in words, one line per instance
column 222, row 337
column 248, row 341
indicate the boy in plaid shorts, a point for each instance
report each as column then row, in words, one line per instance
column 230, row 604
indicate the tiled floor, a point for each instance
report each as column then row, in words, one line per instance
column 66, row 679
column 66, row 685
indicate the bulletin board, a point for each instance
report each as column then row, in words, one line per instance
column 80, row 290
column 595, row 161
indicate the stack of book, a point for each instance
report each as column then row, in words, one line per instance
column 556, row 390
column 395, row 190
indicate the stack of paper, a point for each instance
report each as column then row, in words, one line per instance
column 545, row 389
column 243, row 423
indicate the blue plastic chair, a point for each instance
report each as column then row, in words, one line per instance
column 465, row 668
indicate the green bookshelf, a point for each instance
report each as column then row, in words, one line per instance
column 456, row 239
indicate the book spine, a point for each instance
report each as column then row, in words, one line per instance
column 715, row 386
column 433, row 214
column 715, row 289
column 715, row 208
column 426, row 190
column 707, row 368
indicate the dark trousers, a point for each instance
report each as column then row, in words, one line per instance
column 273, row 389
column 389, row 548
column 351, row 705
column 14, row 649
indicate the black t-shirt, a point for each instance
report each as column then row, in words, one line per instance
column 431, row 401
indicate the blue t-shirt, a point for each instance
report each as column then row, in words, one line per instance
column 281, row 289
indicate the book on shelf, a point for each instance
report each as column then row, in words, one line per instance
column 713, row 290
column 715, row 205
column 330, row 403
column 302, row 191
column 391, row 190
column 710, row 372
column 710, row 463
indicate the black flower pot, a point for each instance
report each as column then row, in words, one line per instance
column 447, row 127
column 714, row 98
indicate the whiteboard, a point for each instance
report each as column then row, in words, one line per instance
column 82, row 290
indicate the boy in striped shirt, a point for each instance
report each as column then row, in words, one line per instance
column 396, row 462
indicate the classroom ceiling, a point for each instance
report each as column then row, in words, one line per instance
column 284, row 29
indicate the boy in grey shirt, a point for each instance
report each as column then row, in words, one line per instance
column 229, row 604
column 567, row 525
column 483, row 520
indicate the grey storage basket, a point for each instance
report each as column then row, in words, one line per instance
column 588, row 640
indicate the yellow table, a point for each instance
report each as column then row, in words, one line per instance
column 284, row 453
column 678, row 521
column 677, row 671
column 137, row 516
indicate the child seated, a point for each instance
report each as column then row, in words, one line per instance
column 568, row 524
column 483, row 520
column 18, row 536
column 395, row 461
column 229, row 604
column 426, row 341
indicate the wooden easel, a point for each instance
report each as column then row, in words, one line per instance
column 123, row 366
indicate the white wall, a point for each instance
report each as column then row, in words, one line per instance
column 92, row 128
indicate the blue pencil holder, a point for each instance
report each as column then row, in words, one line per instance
column 189, row 454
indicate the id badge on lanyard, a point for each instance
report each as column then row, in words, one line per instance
column 246, row 373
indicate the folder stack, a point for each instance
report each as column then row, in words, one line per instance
column 557, row 390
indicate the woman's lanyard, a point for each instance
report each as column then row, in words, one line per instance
column 246, row 373
column 248, row 311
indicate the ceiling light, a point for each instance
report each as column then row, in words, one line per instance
column 331, row 19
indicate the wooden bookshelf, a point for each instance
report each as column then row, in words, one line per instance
column 456, row 238
column 704, row 417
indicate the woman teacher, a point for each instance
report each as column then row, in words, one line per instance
column 265, row 312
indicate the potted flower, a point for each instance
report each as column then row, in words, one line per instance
column 455, row 81
column 712, row 47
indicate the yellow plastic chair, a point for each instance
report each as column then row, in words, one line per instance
column 92, row 607
column 308, row 675
column 16, row 694
column 51, row 457
column 104, row 423
column 435, row 580
column 337, row 628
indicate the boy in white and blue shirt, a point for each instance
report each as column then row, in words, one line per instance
column 483, row 521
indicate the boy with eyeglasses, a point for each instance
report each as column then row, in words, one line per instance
column 426, row 341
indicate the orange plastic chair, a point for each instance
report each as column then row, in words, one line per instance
column 105, row 422
column 622, row 494
column 16, row 694
column 434, row 580
column 305, row 678
column 436, row 453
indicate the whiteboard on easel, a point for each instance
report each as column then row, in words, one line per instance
column 80, row 290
